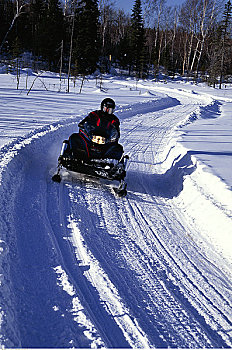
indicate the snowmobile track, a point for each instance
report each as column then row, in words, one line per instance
column 89, row 269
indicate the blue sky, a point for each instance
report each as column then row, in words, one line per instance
column 127, row 5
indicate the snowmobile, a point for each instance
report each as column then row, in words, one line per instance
column 96, row 153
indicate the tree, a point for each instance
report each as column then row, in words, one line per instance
column 114, row 32
column 52, row 34
column 219, row 49
column 188, row 18
column 37, row 20
column 161, row 39
column 206, row 22
column 106, row 19
column 6, row 15
column 226, row 39
column 174, row 33
column 137, row 38
column 198, row 18
column 19, row 10
column 86, row 41
column 214, row 56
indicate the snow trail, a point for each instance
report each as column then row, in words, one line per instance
column 143, row 227
column 103, row 271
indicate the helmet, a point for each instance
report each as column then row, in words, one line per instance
column 108, row 105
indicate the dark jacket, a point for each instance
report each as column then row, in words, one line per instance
column 102, row 120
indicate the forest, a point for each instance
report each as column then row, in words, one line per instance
column 80, row 37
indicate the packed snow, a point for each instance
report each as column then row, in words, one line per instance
column 81, row 267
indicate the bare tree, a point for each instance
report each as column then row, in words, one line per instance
column 70, row 50
column 106, row 19
column 206, row 21
column 154, row 16
column 19, row 10
column 176, row 19
column 197, row 18
column 154, row 10
column 188, row 19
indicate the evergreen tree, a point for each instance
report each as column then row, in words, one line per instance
column 10, row 12
column 6, row 15
column 86, row 44
column 226, row 40
column 124, row 53
column 137, row 38
column 214, row 54
column 52, row 32
column 37, row 20
column 219, row 49
column 21, row 32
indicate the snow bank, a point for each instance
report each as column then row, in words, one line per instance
column 208, row 202
column 205, row 199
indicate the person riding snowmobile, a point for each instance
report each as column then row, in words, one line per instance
column 95, row 150
column 105, row 125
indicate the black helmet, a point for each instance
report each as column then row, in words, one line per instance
column 108, row 105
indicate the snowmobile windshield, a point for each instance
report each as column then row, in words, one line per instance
column 107, row 135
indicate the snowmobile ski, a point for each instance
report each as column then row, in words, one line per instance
column 121, row 189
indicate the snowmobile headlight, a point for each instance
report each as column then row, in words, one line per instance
column 99, row 139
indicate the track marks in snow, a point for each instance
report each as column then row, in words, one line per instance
column 41, row 312
column 198, row 290
column 188, row 268
column 97, row 259
column 152, row 295
column 108, row 271
column 145, row 252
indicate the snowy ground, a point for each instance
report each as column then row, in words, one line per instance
column 83, row 268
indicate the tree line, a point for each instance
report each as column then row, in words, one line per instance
column 79, row 36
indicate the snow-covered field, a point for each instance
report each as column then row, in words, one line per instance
column 81, row 267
